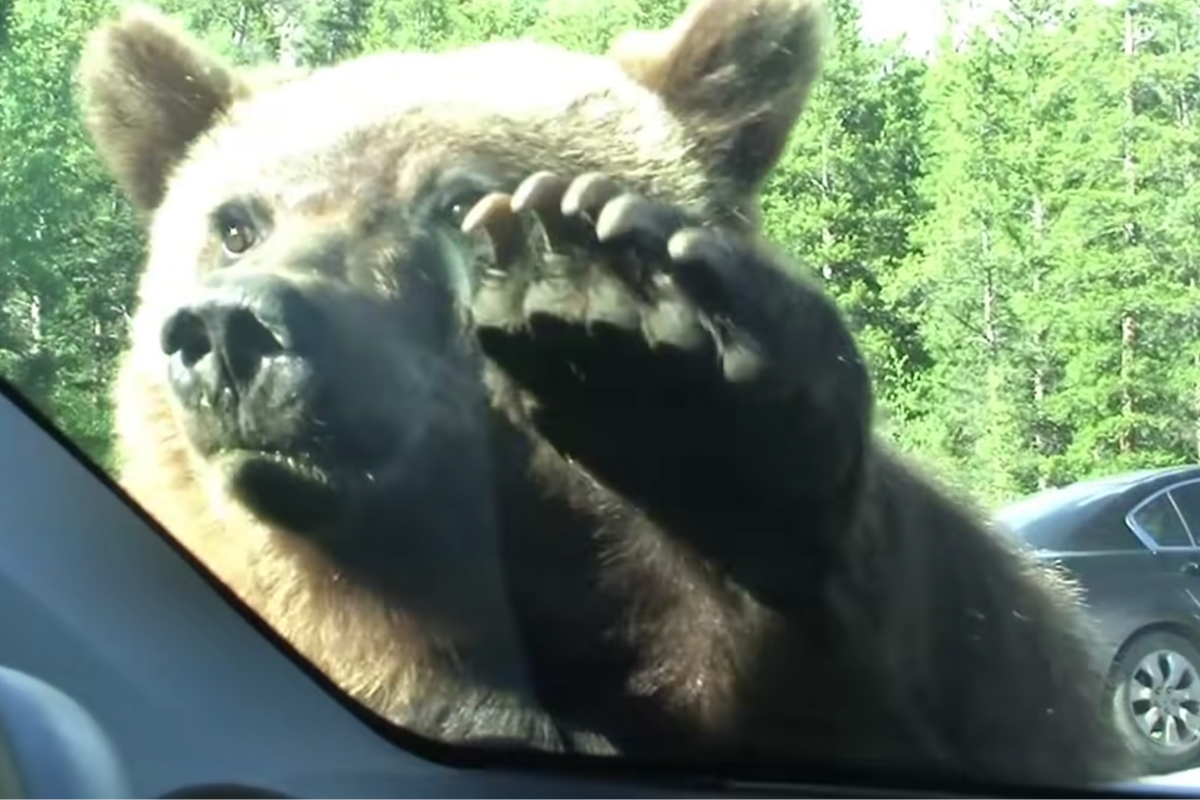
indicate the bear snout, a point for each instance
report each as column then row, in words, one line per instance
column 240, row 347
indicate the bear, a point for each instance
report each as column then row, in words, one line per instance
column 474, row 374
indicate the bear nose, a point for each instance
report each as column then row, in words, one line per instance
column 231, row 331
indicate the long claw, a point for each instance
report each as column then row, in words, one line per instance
column 494, row 215
column 537, row 190
column 541, row 194
column 629, row 214
column 588, row 194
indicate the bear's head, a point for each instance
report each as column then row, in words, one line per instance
column 302, row 379
column 303, row 311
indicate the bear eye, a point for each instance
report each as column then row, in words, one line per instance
column 237, row 237
column 238, row 232
column 461, row 203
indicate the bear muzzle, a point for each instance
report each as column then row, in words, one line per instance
column 241, row 359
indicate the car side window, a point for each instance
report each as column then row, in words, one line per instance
column 1187, row 500
column 1162, row 522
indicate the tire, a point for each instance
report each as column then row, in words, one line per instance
column 1154, row 694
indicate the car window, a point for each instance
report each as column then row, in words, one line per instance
column 1187, row 500
column 1159, row 520
column 538, row 379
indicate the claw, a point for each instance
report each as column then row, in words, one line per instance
column 588, row 194
column 483, row 211
column 631, row 214
column 538, row 190
column 494, row 214
column 697, row 245
column 541, row 193
column 708, row 254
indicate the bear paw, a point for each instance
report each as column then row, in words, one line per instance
column 625, row 301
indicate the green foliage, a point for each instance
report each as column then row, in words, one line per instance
column 1012, row 227
column 69, row 246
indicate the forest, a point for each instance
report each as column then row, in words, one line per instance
column 1012, row 223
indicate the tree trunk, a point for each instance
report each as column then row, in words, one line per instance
column 1040, row 366
column 1126, row 439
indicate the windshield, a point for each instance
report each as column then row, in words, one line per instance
column 617, row 377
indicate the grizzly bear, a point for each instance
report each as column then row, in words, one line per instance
column 473, row 374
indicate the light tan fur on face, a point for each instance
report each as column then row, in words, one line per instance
column 697, row 114
column 373, row 652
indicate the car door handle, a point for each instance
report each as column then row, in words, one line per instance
column 1192, row 569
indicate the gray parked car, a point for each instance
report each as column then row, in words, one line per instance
column 1133, row 542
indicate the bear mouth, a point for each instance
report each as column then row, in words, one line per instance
column 294, row 492
column 292, row 474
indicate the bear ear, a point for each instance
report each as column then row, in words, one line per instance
column 148, row 91
column 736, row 72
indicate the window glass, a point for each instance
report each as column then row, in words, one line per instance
column 465, row 371
column 1161, row 521
column 1187, row 500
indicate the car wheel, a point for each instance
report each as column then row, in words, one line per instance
column 1155, row 695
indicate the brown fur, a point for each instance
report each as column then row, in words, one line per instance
column 726, row 624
